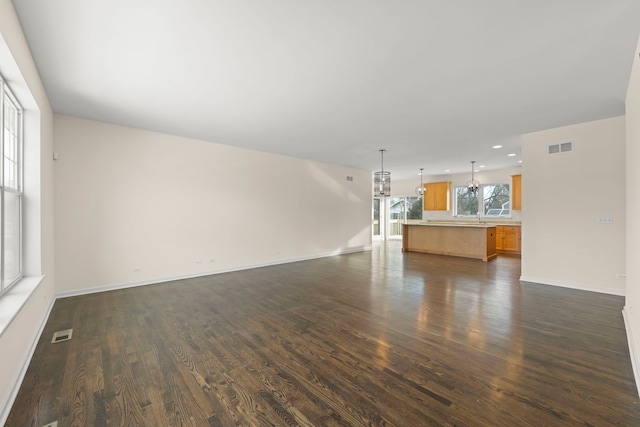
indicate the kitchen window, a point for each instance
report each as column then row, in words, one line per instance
column 491, row 200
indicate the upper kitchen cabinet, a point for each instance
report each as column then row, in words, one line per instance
column 437, row 196
column 516, row 192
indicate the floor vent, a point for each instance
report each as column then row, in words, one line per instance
column 53, row 424
column 563, row 147
column 59, row 337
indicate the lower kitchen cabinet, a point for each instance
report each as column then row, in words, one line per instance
column 508, row 238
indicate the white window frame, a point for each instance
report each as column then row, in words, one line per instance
column 5, row 93
column 480, row 206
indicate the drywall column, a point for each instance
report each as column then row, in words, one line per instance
column 632, row 294
column 568, row 199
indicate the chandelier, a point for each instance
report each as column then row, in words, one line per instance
column 420, row 189
column 382, row 180
column 472, row 184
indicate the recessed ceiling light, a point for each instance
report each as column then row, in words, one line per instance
column 519, row 161
column 481, row 166
column 447, row 170
column 497, row 146
column 511, row 154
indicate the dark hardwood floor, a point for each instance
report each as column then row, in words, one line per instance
column 373, row 338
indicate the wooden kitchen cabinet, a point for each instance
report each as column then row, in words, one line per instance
column 499, row 237
column 436, row 196
column 508, row 238
column 516, row 192
column 511, row 239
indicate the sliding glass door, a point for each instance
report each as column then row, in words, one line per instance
column 375, row 222
column 390, row 213
column 403, row 210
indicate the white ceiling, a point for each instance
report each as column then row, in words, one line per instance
column 436, row 83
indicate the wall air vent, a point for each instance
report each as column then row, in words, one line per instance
column 562, row 147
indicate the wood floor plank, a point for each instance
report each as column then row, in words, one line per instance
column 379, row 338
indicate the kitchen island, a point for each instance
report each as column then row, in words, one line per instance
column 467, row 240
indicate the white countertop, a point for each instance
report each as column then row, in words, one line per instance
column 454, row 224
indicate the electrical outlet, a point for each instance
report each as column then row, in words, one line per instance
column 198, row 261
column 212, row 260
column 604, row 220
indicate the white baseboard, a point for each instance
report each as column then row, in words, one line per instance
column 572, row 286
column 635, row 361
column 5, row 407
column 117, row 286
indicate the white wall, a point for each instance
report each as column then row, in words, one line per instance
column 563, row 195
column 18, row 338
column 129, row 199
column 499, row 176
column 632, row 290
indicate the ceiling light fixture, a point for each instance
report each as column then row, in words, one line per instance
column 472, row 184
column 497, row 146
column 382, row 179
column 420, row 189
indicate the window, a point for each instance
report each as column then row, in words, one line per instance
column 466, row 202
column 10, row 190
column 414, row 210
column 397, row 212
column 401, row 210
column 494, row 201
column 375, row 223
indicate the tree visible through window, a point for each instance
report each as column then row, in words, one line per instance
column 466, row 202
column 415, row 208
column 495, row 201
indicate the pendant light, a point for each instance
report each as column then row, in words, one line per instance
column 473, row 185
column 382, row 180
column 420, row 189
